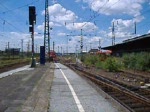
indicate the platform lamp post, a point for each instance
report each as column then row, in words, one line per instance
column 32, row 21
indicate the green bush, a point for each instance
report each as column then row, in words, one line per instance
column 137, row 61
column 112, row 64
column 99, row 64
column 143, row 61
column 90, row 60
column 134, row 61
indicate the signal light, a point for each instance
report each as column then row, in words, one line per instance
column 30, row 29
column 32, row 15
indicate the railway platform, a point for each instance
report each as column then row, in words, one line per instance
column 72, row 93
column 52, row 88
column 26, row 89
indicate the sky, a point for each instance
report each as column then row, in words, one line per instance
column 68, row 17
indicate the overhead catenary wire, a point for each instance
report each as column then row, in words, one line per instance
column 95, row 16
column 26, row 5
column 17, row 17
column 11, row 10
column 11, row 25
column 91, row 17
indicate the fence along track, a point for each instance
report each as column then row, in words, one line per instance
column 133, row 99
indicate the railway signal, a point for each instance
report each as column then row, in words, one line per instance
column 32, row 21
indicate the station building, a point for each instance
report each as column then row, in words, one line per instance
column 137, row 44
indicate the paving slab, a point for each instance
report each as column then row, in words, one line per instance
column 27, row 89
column 72, row 93
column 11, row 72
column 39, row 98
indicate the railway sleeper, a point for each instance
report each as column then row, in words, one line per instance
column 142, row 109
column 136, row 105
column 128, row 101
column 107, row 89
column 142, row 93
column 145, row 90
column 146, row 95
column 127, row 104
column 116, row 94
column 122, row 98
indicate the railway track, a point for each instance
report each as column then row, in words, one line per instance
column 141, row 77
column 133, row 98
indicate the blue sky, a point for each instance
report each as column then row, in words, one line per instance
column 68, row 17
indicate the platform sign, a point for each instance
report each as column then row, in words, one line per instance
column 42, row 55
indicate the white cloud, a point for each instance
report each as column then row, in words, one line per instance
column 61, row 34
column 54, row 1
column 122, row 28
column 138, row 18
column 51, row 25
column 86, row 26
column 14, row 39
column 111, row 7
column 41, row 27
column 149, row 31
column 60, row 15
column 84, row 8
column 94, row 39
column 18, row 36
column 123, row 25
column 103, row 33
column 77, row 0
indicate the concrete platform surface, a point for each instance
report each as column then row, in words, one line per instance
column 11, row 72
column 26, row 90
column 71, row 93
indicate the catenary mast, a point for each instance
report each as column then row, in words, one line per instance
column 46, row 32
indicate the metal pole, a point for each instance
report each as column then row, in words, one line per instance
column 61, row 50
column 8, row 50
column 99, row 45
column 67, row 45
column 81, row 46
column 22, row 46
column 113, row 34
column 90, row 46
column 33, row 63
column 58, row 49
column 47, row 31
column 135, row 28
column 36, row 48
column 86, row 49
column 48, row 45
column 53, row 46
